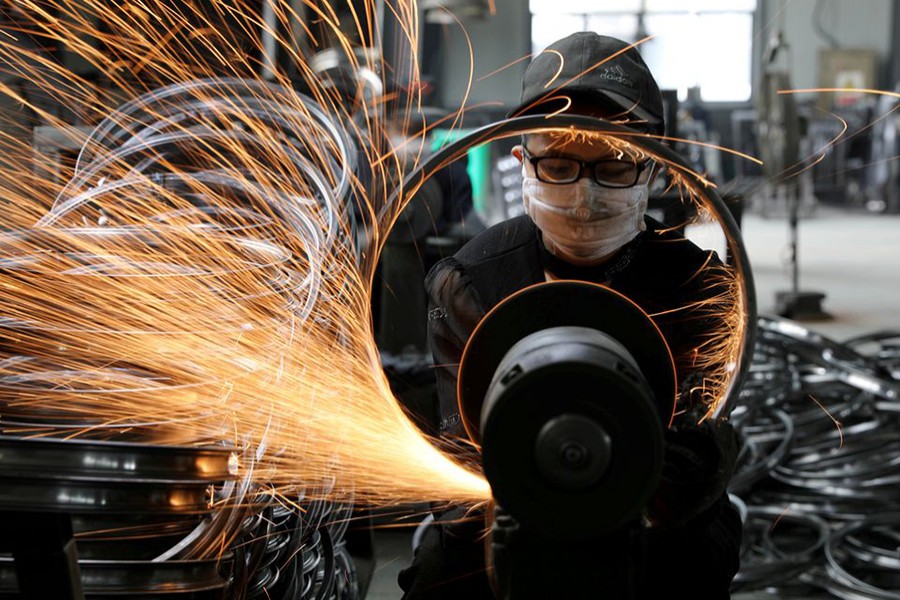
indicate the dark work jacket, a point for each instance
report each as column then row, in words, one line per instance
column 672, row 280
column 668, row 276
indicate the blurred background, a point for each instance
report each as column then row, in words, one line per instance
column 820, row 222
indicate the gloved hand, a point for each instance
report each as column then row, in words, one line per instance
column 527, row 564
column 450, row 560
column 699, row 462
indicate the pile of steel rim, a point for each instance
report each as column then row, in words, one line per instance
column 818, row 474
column 133, row 507
column 145, row 525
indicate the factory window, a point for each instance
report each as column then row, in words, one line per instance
column 696, row 43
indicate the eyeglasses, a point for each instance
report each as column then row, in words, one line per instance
column 610, row 172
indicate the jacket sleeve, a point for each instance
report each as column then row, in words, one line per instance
column 699, row 559
column 700, row 460
column 689, row 294
column 454, row 310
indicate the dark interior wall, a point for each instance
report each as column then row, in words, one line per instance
column 493, row 50
column 496, row 40
column 894, row 64
column 815, row 25
column 503, row 38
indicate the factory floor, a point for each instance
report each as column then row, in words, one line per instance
column 851, row 257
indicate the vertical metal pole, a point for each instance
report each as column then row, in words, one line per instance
column 269, row 43
column 379, row 25
column 43, row 548
column 894, row 54
column 794, row 218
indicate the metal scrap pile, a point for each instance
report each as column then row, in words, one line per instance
column 818, row 474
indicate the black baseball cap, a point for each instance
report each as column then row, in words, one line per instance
column 594, row 71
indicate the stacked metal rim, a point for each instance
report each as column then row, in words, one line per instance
column 145, row 525
column 818, row 471
column 133, row 507
column 295, row 554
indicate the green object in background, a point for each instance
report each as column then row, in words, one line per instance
column 479, row 167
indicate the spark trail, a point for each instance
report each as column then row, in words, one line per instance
column 198, row 276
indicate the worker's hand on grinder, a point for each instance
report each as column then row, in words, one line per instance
column 699, row 462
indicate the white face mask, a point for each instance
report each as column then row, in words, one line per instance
column 583, row 222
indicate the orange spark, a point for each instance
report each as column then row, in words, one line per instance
column 137, row 312
column 778, row 519
column 837, row 424
column 217, row 293
column 841, row 90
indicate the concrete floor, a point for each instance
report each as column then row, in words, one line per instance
column 853, row 258
column 394, row 552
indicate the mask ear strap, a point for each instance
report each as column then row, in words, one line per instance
column 654, row 169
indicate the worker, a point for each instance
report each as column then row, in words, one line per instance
column 585, row 200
